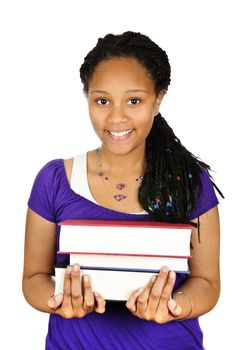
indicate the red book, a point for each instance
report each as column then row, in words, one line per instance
column 125, row 238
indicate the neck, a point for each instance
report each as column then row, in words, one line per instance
column 123, row 165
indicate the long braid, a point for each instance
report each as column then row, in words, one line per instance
column 171, row 183
column 172, row 180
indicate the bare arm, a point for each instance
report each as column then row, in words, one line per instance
column 202, row 287
column 38, row 284
column 39, row 258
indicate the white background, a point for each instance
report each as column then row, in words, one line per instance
column 44, row 116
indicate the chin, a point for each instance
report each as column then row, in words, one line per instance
column 122, row 149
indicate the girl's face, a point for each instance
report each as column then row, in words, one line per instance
column 122, row 104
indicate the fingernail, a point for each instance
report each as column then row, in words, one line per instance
column 172, row 274
column 164, row 269
column 69, row 269
column 76, row 268
column 172, row 303
column 140, row 290
column 153, row 278
column 58, row 297
column 86, row 278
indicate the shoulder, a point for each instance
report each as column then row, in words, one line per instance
column 207, row 198
column 44, row 187
column 51, row 165
column 56, row 169
column 207, row 185
column 49, row 187
column 50, row 170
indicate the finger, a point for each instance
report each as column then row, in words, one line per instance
column 88, row 297
column 67, row 303
column 162, row 312
column 55, row 301
column 131, row 302
column 76, row 289
column 174, row 308
column 157, row 289
column 162, row 278
column 100, row 303
column 143, row 298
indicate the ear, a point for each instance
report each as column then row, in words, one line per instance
column 158, row 101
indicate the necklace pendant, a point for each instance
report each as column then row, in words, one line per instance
column 121, row 186
column 119, row 197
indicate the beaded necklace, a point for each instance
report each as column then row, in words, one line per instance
column 121, row 186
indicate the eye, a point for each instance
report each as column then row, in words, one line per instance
column 134, row 100
column 102, row 101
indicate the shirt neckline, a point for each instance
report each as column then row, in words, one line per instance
column 95, row 203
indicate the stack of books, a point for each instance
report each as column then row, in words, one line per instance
column 122, row 256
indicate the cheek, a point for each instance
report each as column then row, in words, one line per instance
column 145, row 122
column 97, row 120
column 147, row 129
column 94, row 115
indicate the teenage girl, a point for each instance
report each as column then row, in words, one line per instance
column 141, row 171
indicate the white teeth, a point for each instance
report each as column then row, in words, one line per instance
column 121, row 133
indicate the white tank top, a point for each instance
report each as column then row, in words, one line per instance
column 79, row 179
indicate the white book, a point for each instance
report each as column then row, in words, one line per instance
column 125, row 237
column 112, row 285
column 128, row 262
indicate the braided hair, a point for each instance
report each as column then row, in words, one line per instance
column 172, row 181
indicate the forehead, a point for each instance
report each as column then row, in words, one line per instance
column 121, row 71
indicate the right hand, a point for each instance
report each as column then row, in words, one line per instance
column 77, row 300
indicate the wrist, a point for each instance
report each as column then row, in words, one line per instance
column 184, row 300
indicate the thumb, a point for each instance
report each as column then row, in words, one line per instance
column 174, row 308
column 55, row 301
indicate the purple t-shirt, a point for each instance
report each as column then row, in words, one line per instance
column 116, row 329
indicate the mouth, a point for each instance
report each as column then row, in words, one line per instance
column 120, row 135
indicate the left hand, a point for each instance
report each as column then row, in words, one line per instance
column 154, row 302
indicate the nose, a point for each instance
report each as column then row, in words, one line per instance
column 117, row 115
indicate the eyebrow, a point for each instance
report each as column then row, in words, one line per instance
column 133, row 90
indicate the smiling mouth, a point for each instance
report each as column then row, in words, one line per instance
column 120, row 133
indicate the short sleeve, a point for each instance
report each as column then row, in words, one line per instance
column 42, row 196
column 207, row 198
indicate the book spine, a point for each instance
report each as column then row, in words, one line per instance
column 126, row 254
column 126, row 223
column 125, row 269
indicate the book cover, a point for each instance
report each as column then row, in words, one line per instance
column 112, row 285
column 128, row 262
column 125, row 237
